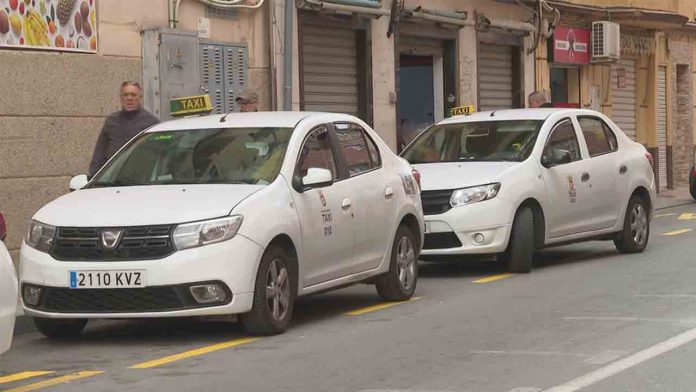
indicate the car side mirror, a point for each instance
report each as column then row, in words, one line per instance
column 555, row 157
column 317, row 178
column 78, row 182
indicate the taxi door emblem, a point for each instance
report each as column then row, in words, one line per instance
column 322, row 198
column 111, row 238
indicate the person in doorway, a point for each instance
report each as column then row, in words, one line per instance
column 537, row 99
column 248, row 101
column 121, row 126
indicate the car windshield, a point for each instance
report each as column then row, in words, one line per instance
column 510, row 140
column 199, row 156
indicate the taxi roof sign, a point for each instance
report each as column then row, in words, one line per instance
column 465, row 110
column 184, row 106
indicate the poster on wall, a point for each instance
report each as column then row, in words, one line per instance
column 571, row 45
column 64, row 25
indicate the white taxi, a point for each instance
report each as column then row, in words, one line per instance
column 226, row 214
column 8, row 291
column 509, row 182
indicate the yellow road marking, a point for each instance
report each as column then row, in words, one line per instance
column 193, row 353
column 664, row 215
column 493, row 278
column 687, row 216
column 375, row 308
column 56, row 381
column 677, row 232
column 22, row 376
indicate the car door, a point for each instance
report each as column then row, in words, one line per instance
column 566, row 206
column 606, row 177
column 373, row 195
column 326, row 214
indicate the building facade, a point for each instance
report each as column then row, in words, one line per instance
column 398, row 66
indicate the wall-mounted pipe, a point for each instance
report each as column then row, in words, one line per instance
column 356, row 9
column 287, row 58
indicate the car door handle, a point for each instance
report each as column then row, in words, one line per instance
column 585, row 177
column 389, row 192
column 623, row 169
column 346, row 203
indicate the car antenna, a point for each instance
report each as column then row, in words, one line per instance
column 493, row 113
column 224, row 118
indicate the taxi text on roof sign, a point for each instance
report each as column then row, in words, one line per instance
column 466, row 110
column 190, row 105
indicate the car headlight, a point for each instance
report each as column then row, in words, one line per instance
column 40, row 236
column 191, row 235
column 474, row 194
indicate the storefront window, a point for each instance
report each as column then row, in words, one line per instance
column 565, row 86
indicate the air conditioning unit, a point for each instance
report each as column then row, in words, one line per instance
column 606, row 41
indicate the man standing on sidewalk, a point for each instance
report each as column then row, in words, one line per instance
column 121, row 126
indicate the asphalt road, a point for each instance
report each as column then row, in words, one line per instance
column 586, row 318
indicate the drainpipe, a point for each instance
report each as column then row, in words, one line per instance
column 287, row 62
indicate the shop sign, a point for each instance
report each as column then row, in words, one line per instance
column 62, row 25
column 199, row 104
column 571, row 45
column 463, row 110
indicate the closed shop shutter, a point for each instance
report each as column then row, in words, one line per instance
column 623, row 88
column 414, row 46
column 662, row 126
column 330, row 78
column 224, row 74
column 496, row 81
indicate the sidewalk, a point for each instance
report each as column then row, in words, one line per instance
column 673, row 198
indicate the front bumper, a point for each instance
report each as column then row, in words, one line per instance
column 232, row 264
column 455, row 231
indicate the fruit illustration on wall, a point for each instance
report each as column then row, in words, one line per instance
column 49, row 24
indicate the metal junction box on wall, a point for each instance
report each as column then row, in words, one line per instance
column 178, row 64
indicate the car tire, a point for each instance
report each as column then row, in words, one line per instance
column 274, row 294
column 636, row 229
column 60, row 328
column 399, row 283
column 519, row 255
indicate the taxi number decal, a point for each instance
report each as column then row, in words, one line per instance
column 326, row 219
column 572, row 192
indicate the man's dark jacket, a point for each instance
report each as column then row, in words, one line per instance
column 118, row 129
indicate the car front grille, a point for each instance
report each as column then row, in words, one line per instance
column 125, row 300
column 136, row 243
column 436, row 202
column 441, row 241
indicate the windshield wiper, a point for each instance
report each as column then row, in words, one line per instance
column 114, row 184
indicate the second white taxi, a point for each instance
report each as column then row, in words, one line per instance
column 226, row 214
column 510, row 182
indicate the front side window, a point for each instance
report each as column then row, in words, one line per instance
column 563, row 138
column 199, row 156
column 508, row 140
column 354, row 148
column 316, row 153
column 599, row 138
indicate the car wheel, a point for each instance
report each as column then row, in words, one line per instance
column 59, row 328
column 399, row 283
column 519, row 254
column 636, row 229
column 274, row 295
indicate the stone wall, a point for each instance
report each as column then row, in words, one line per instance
column 681, row 109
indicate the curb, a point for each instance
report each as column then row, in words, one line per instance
column 675, row 205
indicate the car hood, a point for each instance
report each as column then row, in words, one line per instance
column 455, row 175
column 144, row 205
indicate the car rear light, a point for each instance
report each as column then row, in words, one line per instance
column 416, row 174
column 3, row 228
column 650, row 159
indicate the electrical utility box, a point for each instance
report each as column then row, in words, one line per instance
column 179, row 64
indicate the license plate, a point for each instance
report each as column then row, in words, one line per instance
column 107, row 279
column 426, row 229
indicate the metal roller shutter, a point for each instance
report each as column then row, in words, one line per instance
column 330, row 81
column 495, row 77
column 662, row 127
column 420, row 46
column 623, row 85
